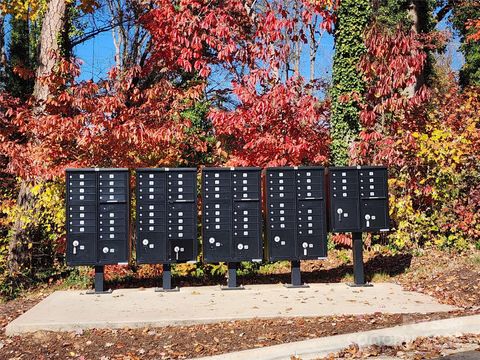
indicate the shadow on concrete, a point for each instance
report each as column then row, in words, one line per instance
column 390, row 265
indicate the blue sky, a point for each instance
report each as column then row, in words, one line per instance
column 97, row 55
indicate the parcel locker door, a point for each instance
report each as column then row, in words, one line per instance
column 281, row 244
column 111, row 252
column 181, row 250
column 345, row 215
column 81, row 249
column 374, row 215
column 151, row 247
column 216, row 245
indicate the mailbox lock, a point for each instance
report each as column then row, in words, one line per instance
column 75, row 243
column 105, row 250
column 176, row 249
column 367, row 217
column 340, row 212
column 211, row 240
column 240, row 246
column 305, row 245
column 276, row 238
column 145, row 242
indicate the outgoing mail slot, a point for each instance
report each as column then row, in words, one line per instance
column 309, row 194
column 112, row 198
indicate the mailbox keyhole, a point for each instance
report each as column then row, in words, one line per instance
column 367, row 217
column 340, row 212
column 75, row 244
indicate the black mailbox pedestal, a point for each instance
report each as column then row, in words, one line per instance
column 296, row 276
column 99, row 287
column 358, row 265
column 232, row 278
column 167, row 280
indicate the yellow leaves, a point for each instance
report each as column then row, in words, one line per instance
column 34, row 9
column 23, row 9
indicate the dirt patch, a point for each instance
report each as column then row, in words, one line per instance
column 193, row 341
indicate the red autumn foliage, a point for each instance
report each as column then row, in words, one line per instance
column 113, row 123
column 283, row 126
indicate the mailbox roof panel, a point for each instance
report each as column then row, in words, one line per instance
column 295, row 168
column 165, row 169
column 233, row 168
column 96, row 169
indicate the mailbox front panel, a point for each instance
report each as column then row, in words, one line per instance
column 358, row 199
column 113, row 245
column 374, row 214
column 232, row 217
column 97, row 216
column 296, row 226
column 166, row 215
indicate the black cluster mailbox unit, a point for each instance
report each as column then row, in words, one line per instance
column 358, row 202
column 358, row 199
column 232, row 216
column 98, row 218
column 166, row 217
column 296, row 221
column 298, row 202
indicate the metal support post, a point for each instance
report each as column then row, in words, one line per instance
column 232, row 278
column 296, row 276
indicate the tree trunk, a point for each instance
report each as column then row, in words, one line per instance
column 418, row 12
column 3, row 56
column 18, row 256
column 53, row 25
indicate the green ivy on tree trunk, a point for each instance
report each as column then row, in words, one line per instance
column 353, row 19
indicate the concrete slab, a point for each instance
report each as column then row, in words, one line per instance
column 322, row 347
column 72, row 310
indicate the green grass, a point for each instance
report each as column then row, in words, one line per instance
column 381, row 277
